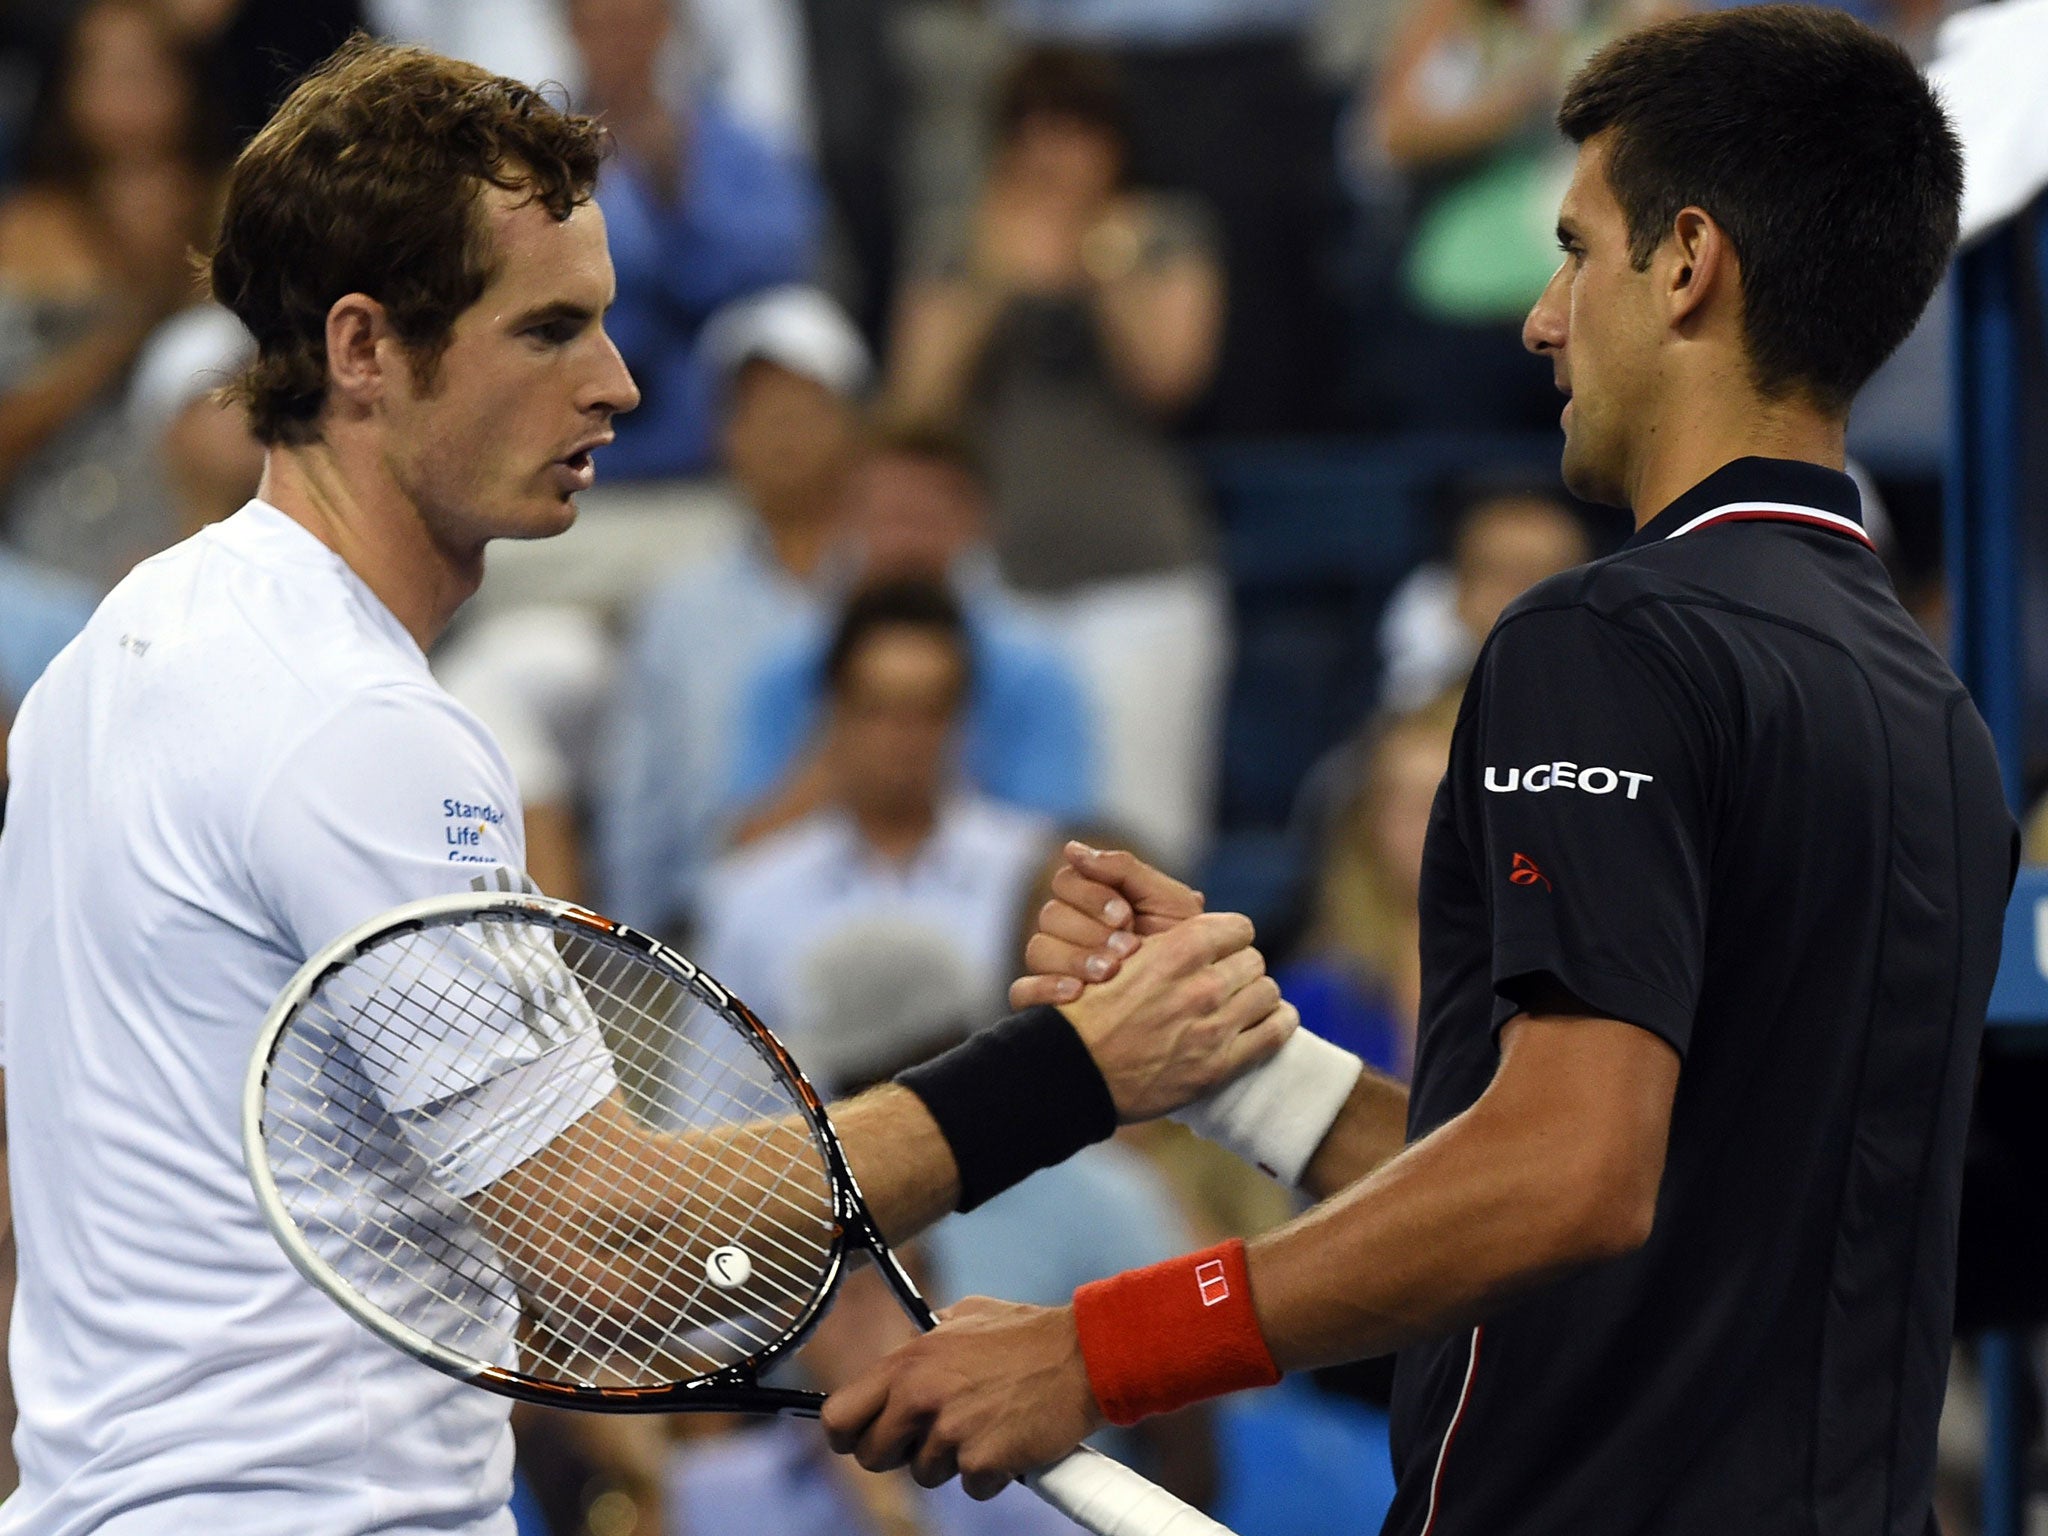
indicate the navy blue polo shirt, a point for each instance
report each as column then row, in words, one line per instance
column 1720, row 786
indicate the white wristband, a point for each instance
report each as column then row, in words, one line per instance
column 1277, row 1114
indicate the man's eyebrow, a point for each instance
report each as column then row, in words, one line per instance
column 546, row 314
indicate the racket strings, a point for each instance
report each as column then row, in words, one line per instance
column 528, row 1144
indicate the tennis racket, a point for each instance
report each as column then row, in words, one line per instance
column 548, row 1155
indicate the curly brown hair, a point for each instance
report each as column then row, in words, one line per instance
column 369, row 180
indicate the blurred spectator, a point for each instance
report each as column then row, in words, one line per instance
column 526, row 39
column 791, row 365
column 749, row 53
column 1359, row 979
column 94, row 252
column 701, row 210
column 917, row 507
column 209, row 459
column 1064, row 317
column 895, row 837
column 754, row 56
column 257, row 49
column 858, row 104
column 1062, row 321
column 1464, row 107
column 1506, row 539
column 40, row 612
column 539, row 677
column 1221, row 104
column 781, row 1477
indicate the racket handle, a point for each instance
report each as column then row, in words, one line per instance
column 1111, row 1500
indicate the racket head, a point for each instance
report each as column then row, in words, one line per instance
column 422, row 1063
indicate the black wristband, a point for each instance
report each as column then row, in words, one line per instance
column 1019, row 1096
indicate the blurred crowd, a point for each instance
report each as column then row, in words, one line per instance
column 951, row 319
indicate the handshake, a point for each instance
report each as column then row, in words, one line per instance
column 1170, row 1000
column 1179, row 1016
column 1176, row 1008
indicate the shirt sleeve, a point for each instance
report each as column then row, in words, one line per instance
column 1584, row 769
column 397, row 796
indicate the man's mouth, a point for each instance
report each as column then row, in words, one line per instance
column 575, row 472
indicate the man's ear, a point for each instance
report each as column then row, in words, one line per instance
column 1701, row 265
column 356, row 364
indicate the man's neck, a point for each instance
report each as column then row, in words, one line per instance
column 1720, row 426
column 896, row 835
column 376, row 530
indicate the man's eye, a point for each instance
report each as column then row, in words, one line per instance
column 555, row 333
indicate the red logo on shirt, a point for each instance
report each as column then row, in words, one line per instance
column 1524, row 872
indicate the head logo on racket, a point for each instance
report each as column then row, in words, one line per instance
column 728, row 1268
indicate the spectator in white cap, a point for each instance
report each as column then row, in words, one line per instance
column 209, row 458
column 790, row 368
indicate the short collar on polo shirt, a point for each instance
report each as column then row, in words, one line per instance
column 1787, row 491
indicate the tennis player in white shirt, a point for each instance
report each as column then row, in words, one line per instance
column 244, row 755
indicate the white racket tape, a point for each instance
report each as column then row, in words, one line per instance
column 1111, row 1500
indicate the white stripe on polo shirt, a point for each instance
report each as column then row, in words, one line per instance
column 1775, row 512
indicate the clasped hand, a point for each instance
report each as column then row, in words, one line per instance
column 1172, row 1002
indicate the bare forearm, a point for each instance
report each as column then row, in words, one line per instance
column 1476, row 1211
column 38, row 409
column 1370, row 1130
column 1160, row 331
column 899, row 1158
column 1415, row 139
column 938, row 341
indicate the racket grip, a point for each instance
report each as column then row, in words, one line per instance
column 1111, row 1500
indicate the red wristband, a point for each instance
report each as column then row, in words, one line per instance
column 1157, row 1339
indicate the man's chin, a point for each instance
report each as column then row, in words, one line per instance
column 1586, row 478
column 556, row 515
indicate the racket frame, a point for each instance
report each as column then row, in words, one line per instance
column 735, row 1388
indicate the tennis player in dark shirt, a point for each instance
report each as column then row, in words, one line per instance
column 1665, row 1233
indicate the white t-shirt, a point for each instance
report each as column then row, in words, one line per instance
column 769, row 908
column 243, row 756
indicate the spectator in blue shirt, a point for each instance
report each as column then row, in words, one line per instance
column 917, row 507
column 701, row 210
column 791, row 368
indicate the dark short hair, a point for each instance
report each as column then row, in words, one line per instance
column 1819, row 149
column 369, row 179
column 1061, row 80
column 909, row 603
